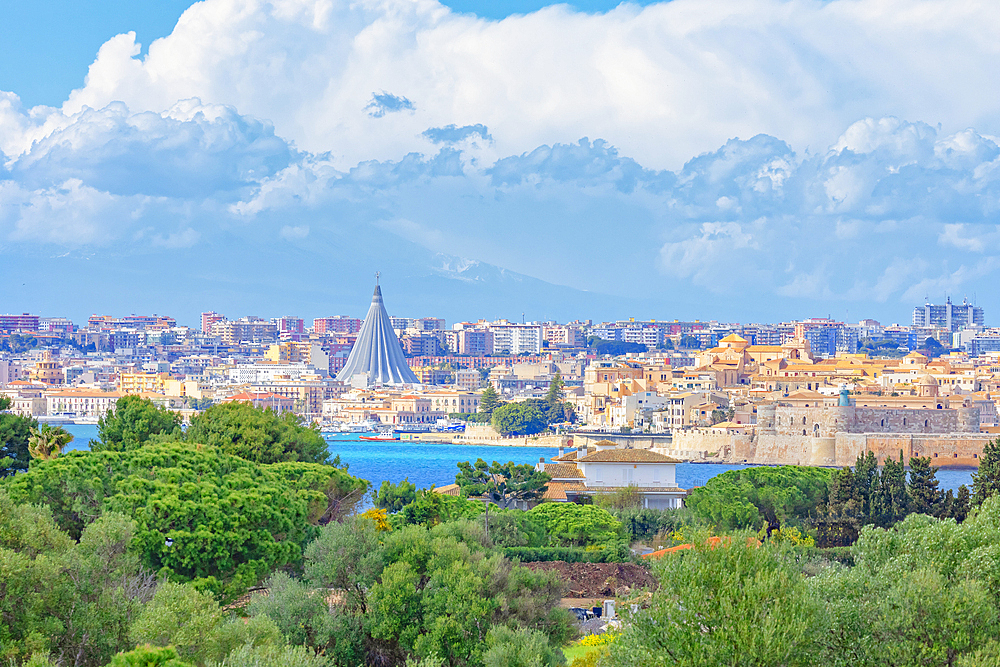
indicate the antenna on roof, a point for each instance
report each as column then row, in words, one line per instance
column 377, row 274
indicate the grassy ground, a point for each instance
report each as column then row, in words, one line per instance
column 574, row 651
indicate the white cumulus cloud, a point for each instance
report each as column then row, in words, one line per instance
column 662, row 82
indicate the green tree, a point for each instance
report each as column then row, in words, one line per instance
column 502, row 483
column 866, row 482
column 553, row 399
column 889, row 503
column 522, row 418
column 181, row 616
column 15, row 432
column 569, row 524
column 614, row 348
column 688, row 342
column 520, row 647
column 489, row 401
column 201, row 515
column 430, row 508
column 960, row 506
column 258, row 435
column 48, row 442
column 730, row 604
column 5, row 403
column 986, row 480
column 923, row 494
column 394, row 497
column 923, row 592
column 71, row 600
column 132, row 423
column 413, row 594
column 756, row 497
column 149, row 656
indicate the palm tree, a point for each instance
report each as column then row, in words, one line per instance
column 47, row 442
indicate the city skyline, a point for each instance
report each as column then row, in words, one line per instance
column 638, row 160
column 197, row 321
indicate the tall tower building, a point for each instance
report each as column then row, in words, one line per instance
column 948, row 315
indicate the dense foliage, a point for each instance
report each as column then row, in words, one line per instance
column 229, row 521
column 394, row 497
column 132, row 423
column 522, row 418
column 924, row 592
column 569, row 524
column 15, row 431
column 502, row 483
column 237, row 428
column 614, row 348
column 756, row 497
column 72, row 600
column 869, row 495
column 430, row 508
column 414, row 592
column 258, row 435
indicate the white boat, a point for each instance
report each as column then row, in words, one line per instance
column 361, row 427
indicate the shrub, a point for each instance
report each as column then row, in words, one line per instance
column 569, row 524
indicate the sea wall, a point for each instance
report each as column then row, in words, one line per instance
column 484, row 434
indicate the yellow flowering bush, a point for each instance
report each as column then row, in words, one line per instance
column 380, row 517
column 598, row 640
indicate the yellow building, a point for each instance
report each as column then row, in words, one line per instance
column 139, row 383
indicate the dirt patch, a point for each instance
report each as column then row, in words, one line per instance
column 596, row 580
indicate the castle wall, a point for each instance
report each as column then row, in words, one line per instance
column 766, row 447
column 827, row 421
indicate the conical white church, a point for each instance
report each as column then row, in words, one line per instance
column 377, row 353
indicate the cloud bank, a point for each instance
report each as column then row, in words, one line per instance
column 295, row 135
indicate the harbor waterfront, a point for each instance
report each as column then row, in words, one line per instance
column 427, row 463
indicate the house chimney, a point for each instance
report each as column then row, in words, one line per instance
column 562, row 451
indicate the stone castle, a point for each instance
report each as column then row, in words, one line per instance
column 834, row 432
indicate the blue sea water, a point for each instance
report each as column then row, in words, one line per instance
column 435, row 463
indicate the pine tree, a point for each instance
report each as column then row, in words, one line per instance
column 923, row 494
column 960, row 508
column 986, row 480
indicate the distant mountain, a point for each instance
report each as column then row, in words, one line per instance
column 322, row 274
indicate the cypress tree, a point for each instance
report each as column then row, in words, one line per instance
column 490, row 401
column 960, row 508
column 889, row 501
column 866, row 481
column 986, row 480
column 923, row 494
column 947, row 505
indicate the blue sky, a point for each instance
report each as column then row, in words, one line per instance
column 752, row 160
